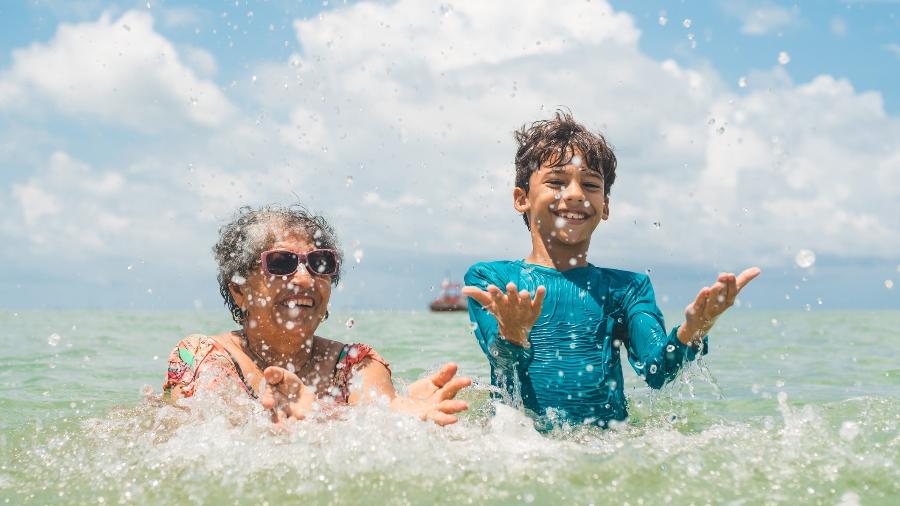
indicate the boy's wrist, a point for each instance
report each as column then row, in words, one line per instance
column 519, row 339
column 690, row 336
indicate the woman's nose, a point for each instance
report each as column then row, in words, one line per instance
column 302, row 277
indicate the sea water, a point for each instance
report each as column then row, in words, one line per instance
column 788, row 407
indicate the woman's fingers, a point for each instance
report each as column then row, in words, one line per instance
column 453, row 387
column 274, row 375
column 268, row 396
column 452, row 406
column 441, row 418
column 444, row 374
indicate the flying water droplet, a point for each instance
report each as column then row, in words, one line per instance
column 349, row 181
column 849, row 430
column 687, row 23
column 350, row 323
column 238, row 279
column 742, row 82
column 889, row 283
column 721, row 130
column 358, row 255
column 572, row 261
column 784, row 58
column 657, row 225
column 589, row 367
column 663, row 21
column 53, row 339
column 805, row 258
column 559, row 222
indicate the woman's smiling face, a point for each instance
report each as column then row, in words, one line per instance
column 564, row 203
column 285, row 305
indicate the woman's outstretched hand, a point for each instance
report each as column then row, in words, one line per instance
column 433, row 397
column 286, row 395
column 712, row 301
column 514, row 310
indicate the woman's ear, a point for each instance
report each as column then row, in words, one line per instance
column 237, row 293
column 520, row 200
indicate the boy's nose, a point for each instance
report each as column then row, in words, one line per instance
column 573, row 191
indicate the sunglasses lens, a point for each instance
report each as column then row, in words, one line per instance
column 322, row 262
column 281, row 263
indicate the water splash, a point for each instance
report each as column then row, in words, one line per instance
column 805, row 258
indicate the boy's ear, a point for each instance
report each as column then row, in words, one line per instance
column 605, row 214
column 520, row 200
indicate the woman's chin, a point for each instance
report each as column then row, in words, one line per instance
column 292, row 318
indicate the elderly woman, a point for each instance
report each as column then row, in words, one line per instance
column 277, row 266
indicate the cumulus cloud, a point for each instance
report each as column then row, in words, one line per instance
column 118, row 70
column 761, row 18
column 891, row 48
column 396, row 121
column 429, row 104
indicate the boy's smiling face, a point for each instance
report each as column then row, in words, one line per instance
column 564, row 204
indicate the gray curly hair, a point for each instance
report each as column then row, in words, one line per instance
column 254, row 230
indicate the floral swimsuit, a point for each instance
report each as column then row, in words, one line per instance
column 197, row 353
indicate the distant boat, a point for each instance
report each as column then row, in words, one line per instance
column 450, row 298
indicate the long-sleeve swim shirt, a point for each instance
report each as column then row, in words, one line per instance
column 572, row 372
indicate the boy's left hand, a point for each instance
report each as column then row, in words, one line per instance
column 711, row 302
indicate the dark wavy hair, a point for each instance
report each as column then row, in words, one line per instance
column 254, row 230
column 554, row 142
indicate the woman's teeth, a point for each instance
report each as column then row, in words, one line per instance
column 298, row 302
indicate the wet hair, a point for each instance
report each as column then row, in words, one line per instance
column 254, row 230
column 554, row 142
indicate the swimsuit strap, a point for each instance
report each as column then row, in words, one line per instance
column 240, row 373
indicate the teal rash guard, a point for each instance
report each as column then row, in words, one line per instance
column 572, row 371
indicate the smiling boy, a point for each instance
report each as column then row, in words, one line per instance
column 558, row 353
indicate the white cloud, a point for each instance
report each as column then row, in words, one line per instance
column 761, row 18
column 891, row 48
column 118, row 70
column 418, row 105
column 838, row 26
column 435, row 123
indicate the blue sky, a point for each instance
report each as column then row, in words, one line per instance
column 130, row 133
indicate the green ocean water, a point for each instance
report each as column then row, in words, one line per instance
column 788, row 407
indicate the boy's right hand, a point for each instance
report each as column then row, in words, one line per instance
column 515, row 310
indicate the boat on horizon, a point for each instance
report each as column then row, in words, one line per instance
column 450, row 298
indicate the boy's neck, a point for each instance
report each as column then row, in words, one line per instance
column 557, row 255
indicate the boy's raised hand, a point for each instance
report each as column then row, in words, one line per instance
column 711, row 302
column 515, row 310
